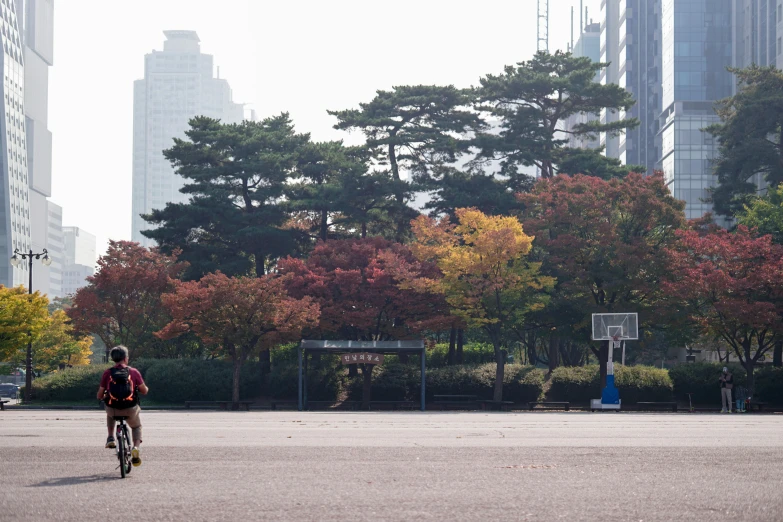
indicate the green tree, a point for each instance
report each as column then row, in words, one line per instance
column 533, row 99
column 236, row 176
column 766, row 215
column 412, row 128
column 750, row 136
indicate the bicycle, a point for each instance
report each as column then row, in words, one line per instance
column 123, row 446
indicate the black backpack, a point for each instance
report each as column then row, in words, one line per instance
column 121, row 393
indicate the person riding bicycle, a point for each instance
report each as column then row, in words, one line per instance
column 119, row 389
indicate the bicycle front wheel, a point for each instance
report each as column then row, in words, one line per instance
column 128, row 447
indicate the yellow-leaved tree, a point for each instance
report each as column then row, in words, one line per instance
column 23, row 317
column 487, row 278
column 58, row 347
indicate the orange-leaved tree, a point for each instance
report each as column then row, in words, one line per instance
column 486, row 277
column 237, row 316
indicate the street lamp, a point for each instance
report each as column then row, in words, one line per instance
column 17, row 260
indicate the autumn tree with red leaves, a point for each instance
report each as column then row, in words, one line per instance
column 605, row 242
column 731, row 285
column 237, row 316
column 121, row 302
column 355, row 281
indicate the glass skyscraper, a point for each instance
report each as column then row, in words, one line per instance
column 696, row 40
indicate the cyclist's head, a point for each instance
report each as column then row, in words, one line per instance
column 118, row 354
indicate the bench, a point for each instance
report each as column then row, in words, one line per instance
column 350, row 405
column 656, row 405
column 444, row 401
column 550, row 405
column 274, row 404
column 395, row 405
column 496, row 405
column 2, row 404
column 223, row 405
column 758, row 404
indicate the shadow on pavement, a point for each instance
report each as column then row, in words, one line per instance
column 73, row 481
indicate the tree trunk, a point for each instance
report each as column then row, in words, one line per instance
column 532, row 355
column 460, row 346
column 264, row 365
column 500, row 359
column 235, row 386
column 260, row 268
column 750, row 383
column 603, row 356
column 452, row 346
column 366, row 384
column 777, row 353
column 324, row 225
column 554, row 347
column 364, row 230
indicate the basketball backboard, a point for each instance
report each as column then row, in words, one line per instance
column 609, row 327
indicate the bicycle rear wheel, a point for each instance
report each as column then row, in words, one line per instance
column 121, row 449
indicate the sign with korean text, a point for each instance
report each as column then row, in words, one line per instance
column 361, row 358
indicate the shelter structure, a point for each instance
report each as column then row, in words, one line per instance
column 414, row 347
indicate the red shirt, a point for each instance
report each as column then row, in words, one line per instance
column 135, row 376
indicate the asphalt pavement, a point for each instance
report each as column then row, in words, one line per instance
column 344, row 466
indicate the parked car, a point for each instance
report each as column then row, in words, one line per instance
column 9, row 390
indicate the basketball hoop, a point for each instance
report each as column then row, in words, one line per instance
column 616, row 342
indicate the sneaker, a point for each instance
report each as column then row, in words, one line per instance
column 723, row 411
column 135, row 459
column 110, row 443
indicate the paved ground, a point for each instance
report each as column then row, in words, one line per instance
column 397, row 466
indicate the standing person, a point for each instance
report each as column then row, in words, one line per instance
column 119, row 389
column 726, row 384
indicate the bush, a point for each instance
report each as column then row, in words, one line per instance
column 169, row 380
column 472, row 354
column 701, row 380
column 323, row 384
column 73, row 384
column 769, row 384
column 579, row 384
column 575, row 384
column 520, row 383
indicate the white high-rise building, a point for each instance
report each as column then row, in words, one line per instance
column 79, row 258
column 55, row 247
column 178, row 84
column 36, row 29
column 15, row 193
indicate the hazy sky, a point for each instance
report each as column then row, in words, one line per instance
column 286, row 55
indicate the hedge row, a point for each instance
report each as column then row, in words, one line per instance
column 579, row 384
column 403, row 382
column 175, row 381
column 170, row 381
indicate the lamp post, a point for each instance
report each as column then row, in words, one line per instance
column 17, row 260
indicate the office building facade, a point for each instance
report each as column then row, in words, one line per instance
column 178, row 84
column 79, row 257
column 631, row 40
column 697, row 49
column 588, row 45
column 55, row 248
column 15, row 200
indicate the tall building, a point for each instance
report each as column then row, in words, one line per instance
column 757, row 33
column 36, row 28
column 630, row 39
column 588, row 45
column 55, row 247
column 79, row 256
column 15, row 192
column 697, row 49
column 178, row 84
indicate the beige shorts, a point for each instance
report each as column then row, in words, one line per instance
column 133, row 419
